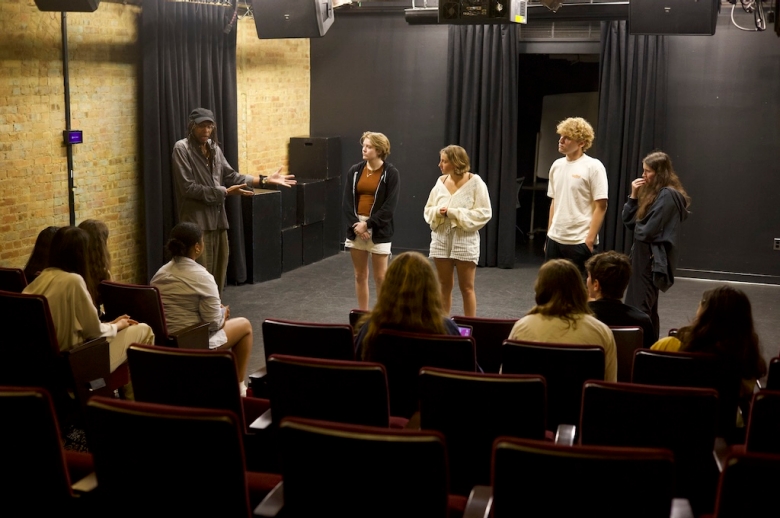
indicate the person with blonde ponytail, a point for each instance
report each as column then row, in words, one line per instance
column 656, row 207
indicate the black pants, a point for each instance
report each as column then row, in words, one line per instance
column 642, row 292
column 577, row 254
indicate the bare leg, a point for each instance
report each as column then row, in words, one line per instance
column 466, row 273
column 446, row 270
column 239, row 336
column 360, row 262
column 379, row 264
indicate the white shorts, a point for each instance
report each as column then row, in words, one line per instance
column 368, row 245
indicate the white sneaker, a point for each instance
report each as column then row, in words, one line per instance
column 242, row 388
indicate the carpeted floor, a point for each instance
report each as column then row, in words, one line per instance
column 324, row 292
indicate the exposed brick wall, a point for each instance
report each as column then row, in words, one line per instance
column 105, row 63
column 273, row 98
column 104, row 73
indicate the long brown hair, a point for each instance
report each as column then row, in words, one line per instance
column 560, row 292
column 724, row 326
column 98, row 257
column 661, row 164
column 410, row 300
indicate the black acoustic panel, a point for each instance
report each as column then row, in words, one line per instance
column 311, row 200
column 78, row 6
column 263, row 235
column 292, row 18
column 289, row 206
column 331, row 231
column 311, row 236
column 315, row 157
column 292, row 250
column 692, row 17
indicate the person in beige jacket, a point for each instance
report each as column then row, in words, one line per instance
column 562, row 315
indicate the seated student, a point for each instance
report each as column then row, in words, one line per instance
column 561, row 314
column 723, row 325
column 410, row 300
column 190, row 296
column 75, row 317
column 608, row 276
column 39, row 258
column 98, row 257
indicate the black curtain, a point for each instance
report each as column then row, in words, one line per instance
column 188, row 61
column 482, row 118
column 632, row 100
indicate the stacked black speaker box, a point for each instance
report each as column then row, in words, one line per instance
column 262, row 216
column 316, row 163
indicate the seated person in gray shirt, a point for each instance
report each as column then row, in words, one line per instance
column 608, row 276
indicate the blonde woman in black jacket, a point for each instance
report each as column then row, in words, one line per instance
column 370, row 197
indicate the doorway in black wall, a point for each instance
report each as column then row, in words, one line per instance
column 541, row 75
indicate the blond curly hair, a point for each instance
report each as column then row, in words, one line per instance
column 380, row 142
column 577, row 128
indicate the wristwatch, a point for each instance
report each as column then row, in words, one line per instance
column 263, row 182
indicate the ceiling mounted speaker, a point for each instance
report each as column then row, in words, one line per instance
column 292, row 18
column 694, row 17
column 76, row 6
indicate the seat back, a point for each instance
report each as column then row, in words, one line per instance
column 355, row 315
column 176, row 461
column 489, row 334
column 313, row 340
column 773, row 376
column 404, row 354
column 29, row 351
column 32, row 462
column 564, row 367
column 681, row 419
column 534, row 478
column 141, row 302
column 331, row 390
column 627, row 341
column 472, row 410
column 681, row 369
column 185, row 377
column 12, row 279
column 763, row 431
column 748, row 486
column 362, row 471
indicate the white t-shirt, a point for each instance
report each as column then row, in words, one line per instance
column 575, row 186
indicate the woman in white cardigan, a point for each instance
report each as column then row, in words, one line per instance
column 457, row 208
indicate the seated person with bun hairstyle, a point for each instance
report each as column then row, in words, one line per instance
column 190, row 296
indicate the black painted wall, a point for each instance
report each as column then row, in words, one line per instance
column 375, row 72
column 723, row 133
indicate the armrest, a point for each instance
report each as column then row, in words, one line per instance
column 262, row 422
column 720, row 451
column 479, row 503
column 272, row 503
column 90, row 367
column 681, row 508
column 86, row 484
column 192, row 337
column 565, row 434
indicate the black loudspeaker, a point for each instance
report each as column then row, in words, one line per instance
column 78, row 6
column 292, row 251
column 315, row 157
column 263, row 235
column 292, row 18
column 331, row 230
column 289, row 206
column 311, row 200
column 691, row 17
column 311, row 237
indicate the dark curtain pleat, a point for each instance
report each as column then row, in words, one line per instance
column 632, row 99
column 188, row 61
column 482, row 118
